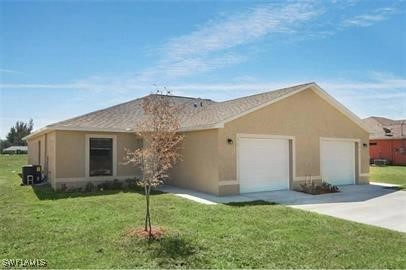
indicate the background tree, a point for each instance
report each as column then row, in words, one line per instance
column 17, row 133
column 159, row 129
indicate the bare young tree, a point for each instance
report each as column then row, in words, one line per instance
column 159, row 130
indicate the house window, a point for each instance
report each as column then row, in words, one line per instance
column 100, row 156
column 372, row 143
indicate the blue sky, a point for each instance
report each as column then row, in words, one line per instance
column 61, row 59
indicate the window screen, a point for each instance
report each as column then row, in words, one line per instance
column 101, row 157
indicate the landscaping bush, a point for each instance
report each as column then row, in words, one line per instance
column 90, row 187
column 316, row 189
column 107, row 185
column 65, row 188
column 116, row 184
column 132, row 183
column 110, row 185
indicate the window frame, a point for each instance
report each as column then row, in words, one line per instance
column 87, row 155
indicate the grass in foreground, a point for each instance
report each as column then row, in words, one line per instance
column 87, row 231
column 388, row 174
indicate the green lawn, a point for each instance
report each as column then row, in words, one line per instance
column 87, row 231
column 388, row 174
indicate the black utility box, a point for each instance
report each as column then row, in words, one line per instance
column 32, row 172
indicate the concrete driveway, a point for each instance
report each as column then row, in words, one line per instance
column 369, row 204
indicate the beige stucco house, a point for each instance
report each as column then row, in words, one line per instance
column 269, row 141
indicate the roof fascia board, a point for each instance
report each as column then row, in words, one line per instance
column 196, row 128
column 93, row 129
column 37, row 133
column 49, row 129
column 387, row 138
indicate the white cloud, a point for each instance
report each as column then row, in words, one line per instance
column 3, row 70
column 39, row 85
column 369, row 19
column 241, row 28
column 210, row 46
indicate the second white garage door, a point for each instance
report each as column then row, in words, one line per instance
column 263, row 164
column 338, row 162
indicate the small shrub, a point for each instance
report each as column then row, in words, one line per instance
column 104, row 186
column 132, row 183
column 116, row 184
column 329, row 187
column 317, row 189
column 90, row 187
column 63, row 188
column 110, row 185
column 74, row 189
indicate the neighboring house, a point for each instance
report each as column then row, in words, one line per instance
column 270, row 141
column 388, row 140
column 15, row 150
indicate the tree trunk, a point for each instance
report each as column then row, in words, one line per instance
column 149, row 212
column 147, row 208
column 148, row 226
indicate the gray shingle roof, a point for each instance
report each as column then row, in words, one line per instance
column 125, row 116
column 377, row 125
column 195, row 113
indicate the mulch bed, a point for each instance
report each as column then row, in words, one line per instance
column 156, row 233
column 315, row 189
column 316, row 192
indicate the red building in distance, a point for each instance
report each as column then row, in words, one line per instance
column 388, row 140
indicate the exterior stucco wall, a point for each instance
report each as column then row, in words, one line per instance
column 199, row 166
column 71, row 156
column 130, row 142
column 307, row 117
column 50, row 157
column 34, row 157
column 47, row 157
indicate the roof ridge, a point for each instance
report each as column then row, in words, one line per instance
column 176, row 96
column 379, row 119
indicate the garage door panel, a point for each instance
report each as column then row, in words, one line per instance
column 263, row 164
column 338, row 162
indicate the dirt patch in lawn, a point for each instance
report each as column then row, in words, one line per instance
column 140, row 232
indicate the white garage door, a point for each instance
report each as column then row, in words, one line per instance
column 338, row 162
column 263, row 164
